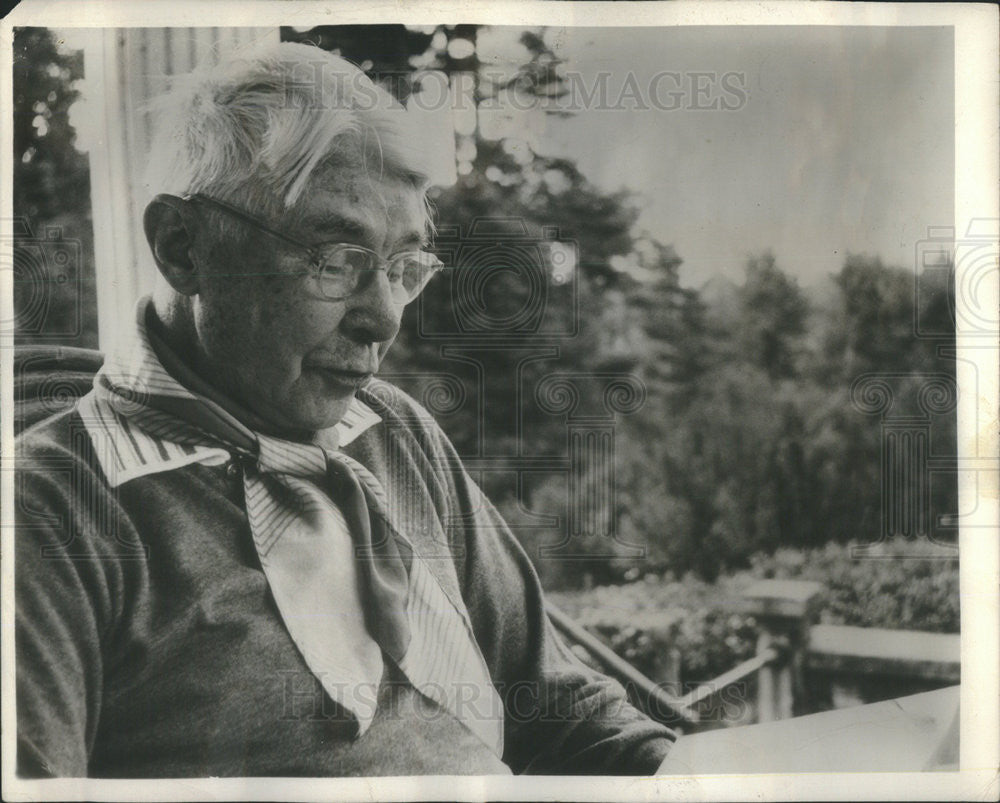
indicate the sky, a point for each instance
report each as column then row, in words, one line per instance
column 836, row 139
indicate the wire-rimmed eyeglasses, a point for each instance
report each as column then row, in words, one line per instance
column 342, row 269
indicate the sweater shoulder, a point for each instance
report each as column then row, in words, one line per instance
column 62, row 436
column 58, row 468
column 410, row 434
column 399, row 408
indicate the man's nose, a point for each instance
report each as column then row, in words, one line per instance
column 372, row 316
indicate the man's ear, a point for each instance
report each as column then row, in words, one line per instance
column 170, row 230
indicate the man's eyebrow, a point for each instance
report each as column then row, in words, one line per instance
column 327, row 226
column 418, row 239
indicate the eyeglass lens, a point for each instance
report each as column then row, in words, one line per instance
column 342, row 272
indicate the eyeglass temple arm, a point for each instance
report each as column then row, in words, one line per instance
column 252, row 221
column 248, row 219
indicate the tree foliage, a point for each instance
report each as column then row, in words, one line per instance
column 51, row 198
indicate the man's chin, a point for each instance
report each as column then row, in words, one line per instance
column 319, row 403
column 326, row 414
column 299, row 420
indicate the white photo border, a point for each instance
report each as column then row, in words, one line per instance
column 977, row 178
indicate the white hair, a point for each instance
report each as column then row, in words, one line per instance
column 254, row 128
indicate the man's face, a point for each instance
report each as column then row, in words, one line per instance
column 267, row 340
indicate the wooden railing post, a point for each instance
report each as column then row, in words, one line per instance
column 784, row 610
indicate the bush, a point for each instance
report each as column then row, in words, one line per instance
column 917, row 592
column 642, row 621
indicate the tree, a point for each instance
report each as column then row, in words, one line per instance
column 50, row 176
column 896, row 327
column 874, row 327
column 51, row 194
column 773, row 314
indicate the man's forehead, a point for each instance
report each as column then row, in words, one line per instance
column 348, row 199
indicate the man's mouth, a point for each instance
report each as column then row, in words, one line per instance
column 343, row 376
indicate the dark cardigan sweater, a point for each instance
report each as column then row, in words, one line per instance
column 148, row 644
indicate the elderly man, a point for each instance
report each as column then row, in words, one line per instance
column 241, row 554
